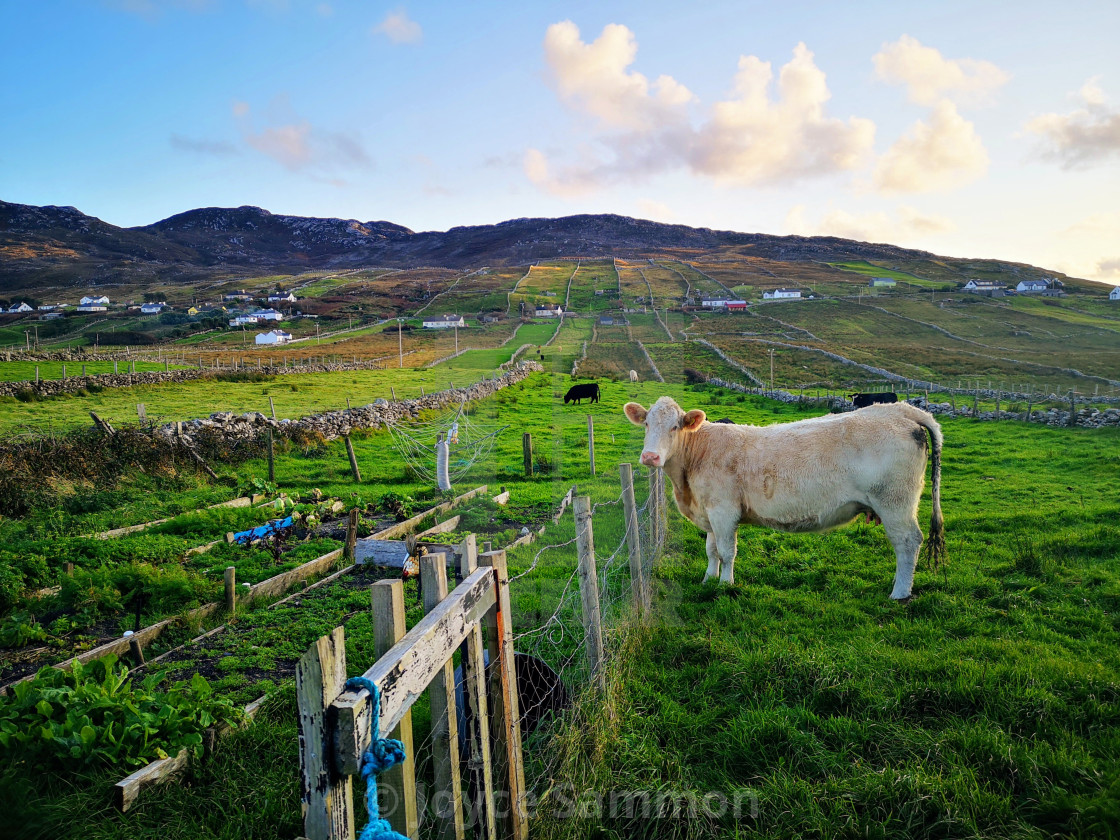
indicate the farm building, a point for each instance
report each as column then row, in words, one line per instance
column 724, row 302
column 268, row 315
column 882, row 282
column 19, row 307
column 442, row 322
column 548, row 310
column 781, row 294
column 274, row 337
column 987, row 288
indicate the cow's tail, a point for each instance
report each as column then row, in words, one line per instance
column 935, row 543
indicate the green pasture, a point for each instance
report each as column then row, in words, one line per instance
column 871, row 270
column 25, row 371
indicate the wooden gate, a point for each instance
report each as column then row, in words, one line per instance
column 334, row 723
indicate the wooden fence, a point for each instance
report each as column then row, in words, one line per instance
column 334, row 723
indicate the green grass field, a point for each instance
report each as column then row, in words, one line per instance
column 988, row 706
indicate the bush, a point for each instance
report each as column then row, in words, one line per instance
column 693, row 376
column 93, row 715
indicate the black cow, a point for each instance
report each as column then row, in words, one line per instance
column 589, row 391
column 864, row 400
column 725, row 420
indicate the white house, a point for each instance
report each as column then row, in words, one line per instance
column 268, row 315
column 242, row 320
column 95, row 301
column 20, row 307
column 151, row 308
column 1114, row 294
column 776, row 294
column 1032, row 286
column 987, row 288
column 274, row 337
column 92, row 307
column 717, row 302
column 280, row 297
column 442, row 322
column 549, row 310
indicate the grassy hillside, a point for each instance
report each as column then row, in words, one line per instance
column 987, row 706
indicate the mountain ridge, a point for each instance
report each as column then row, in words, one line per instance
column 45, row 244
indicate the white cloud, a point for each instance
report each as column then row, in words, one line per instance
column 217, row 148
column 593, row 78
column 658, row 211
column 942, row 154
column 399, row 28
column 297, row 146
column 1109, row 267
column 642, row 128
column 1084, row 136
column 753, row 139
column 904, row 225
column 930, row 77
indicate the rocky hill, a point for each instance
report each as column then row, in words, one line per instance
column 60, row 245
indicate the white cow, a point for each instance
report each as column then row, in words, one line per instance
column 633, row 376
column 811, row 475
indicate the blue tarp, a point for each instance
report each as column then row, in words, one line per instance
column 262, row 531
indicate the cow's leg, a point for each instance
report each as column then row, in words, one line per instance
column 906, row 537
column 726, row 528
column 713, row 557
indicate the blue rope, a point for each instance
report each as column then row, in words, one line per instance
column 381, row 754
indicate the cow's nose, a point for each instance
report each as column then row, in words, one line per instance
column 651, row 459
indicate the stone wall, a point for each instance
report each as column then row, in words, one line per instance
column 334, row 424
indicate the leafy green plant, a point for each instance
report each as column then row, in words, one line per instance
column 94, row 715
column 19, row 629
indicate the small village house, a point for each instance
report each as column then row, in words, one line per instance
column 987, row 288
column 282, row 297
column 1114, row 294
column 20, row 307
column 443, row 322
column 548, row 310
column 152, row 308
column 94, row 301
column 268, row 315
column 242, row 320
column 274, row 337
column 1031, row 287
column 722, row 302
column 781, row 294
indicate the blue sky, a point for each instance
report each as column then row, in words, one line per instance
column 969, row 129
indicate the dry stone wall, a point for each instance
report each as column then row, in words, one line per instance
column 334, row 424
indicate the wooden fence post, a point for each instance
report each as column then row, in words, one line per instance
column 326, row 797
column 230, row 583
column 527, row 452
column 448, row 793
column 478, row 713
column 387, row 601
column 353, row 459
column 589, row 587
column 505, row 710
column 1030, row 403
column 639, row 586
column 272, row 407
column 351, row 530
column 271, row 459
column 591, row 442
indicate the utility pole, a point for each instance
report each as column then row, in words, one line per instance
column 316, row 332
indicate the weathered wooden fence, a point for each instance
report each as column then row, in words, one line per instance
column 334, row 723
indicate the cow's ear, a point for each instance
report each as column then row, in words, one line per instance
column 636, row 413
column 693, row 419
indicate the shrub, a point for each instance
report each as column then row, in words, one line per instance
column 693, row 376
column 93, row 715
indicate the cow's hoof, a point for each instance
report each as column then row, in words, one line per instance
column 901, row 599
